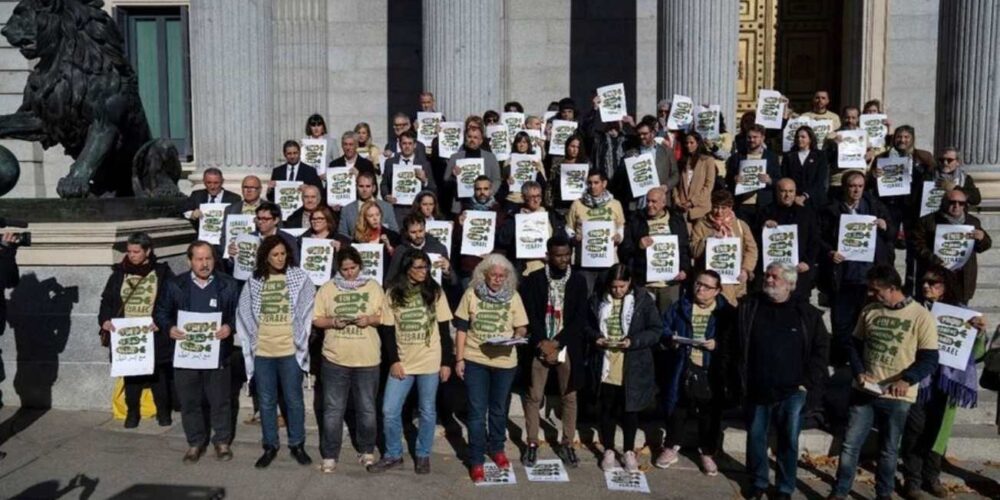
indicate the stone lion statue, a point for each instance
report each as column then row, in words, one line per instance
column 84, row 95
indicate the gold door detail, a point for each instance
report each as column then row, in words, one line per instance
column 756, row 51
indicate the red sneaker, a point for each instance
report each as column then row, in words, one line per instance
column 500, row 459
column 477, row 474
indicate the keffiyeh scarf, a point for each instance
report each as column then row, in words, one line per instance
column 348, row 285
column 486, row 295
column 555, row 303
column 592, row 201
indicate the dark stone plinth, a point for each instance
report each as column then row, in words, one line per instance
column 89, row 209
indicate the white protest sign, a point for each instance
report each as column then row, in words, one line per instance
column 436, row 262
column 371, row 260
column 956, row 336
column 340, row 189
column 514, row 122
column 317, row 259
column 750, row 172
column 851, row 149
column 499, row 141
column 288, row 197
column 561, row 131
column 314, row 152
column 237, row 224
column 199, row 349
column 623, row 480
column 440, row 229
column 611, row 99
column 245, row 259
column 663, row 258
column 497, row 476
column 294, row 231
column 531, row 232
column 875, row 129
column 642, row 174
column 478, row 232
column 537, row 139
column 780, row 244
column 523, row 168
column 132, row 348
column 707, row 121
column 896, row 176
column 405, row 184
column 770, row 108
column 427, row 127
column 681, row 113
column 468, row 170
column 449, row 138
column 930, row 198
column 548, row 115
column 210, row 225
column 821, row 128
column 856, row 237
column 788, row 141
column 954, row 244
column 724, row 256
column 572, row 180
column 598, row 245
column 547, row 471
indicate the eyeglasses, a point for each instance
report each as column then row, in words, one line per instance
column 399, row 125
column 957, row 202
column 947, row 160
column 265, row 219
column 419, row 267
column 932, row 281
column 251, row 188
column 698, row 284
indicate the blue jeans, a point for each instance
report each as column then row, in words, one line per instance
column 396, row 392
column 890, row 417
column 489, row 394
column 269, row 373
column 788, row 421
column 339, row 383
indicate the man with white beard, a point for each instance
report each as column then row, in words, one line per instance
column 780, row 351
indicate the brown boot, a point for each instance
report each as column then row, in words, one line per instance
column 193, row 454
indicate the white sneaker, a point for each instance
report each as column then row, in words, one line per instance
column 667, row 458
column 366, row 459
column 630, row 461
column 329, row 465
column 609, row 462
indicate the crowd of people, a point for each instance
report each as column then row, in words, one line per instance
column 616, row 345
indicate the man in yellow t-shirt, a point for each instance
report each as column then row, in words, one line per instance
column 894, row 348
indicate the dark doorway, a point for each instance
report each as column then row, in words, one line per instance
column 405, row 57
column 602, row 49
column 808, row 51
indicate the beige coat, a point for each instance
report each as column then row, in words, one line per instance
column 699, row 191
column 703, row 230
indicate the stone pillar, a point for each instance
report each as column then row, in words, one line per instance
column 464, row 56
column 300, row 67
column 231, row 84
column 968, row 97
column 698, row 52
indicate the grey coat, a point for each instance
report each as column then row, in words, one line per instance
column 490, row 166
column 349, row 216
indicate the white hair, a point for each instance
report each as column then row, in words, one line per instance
column 489, row 262
column 788, row 272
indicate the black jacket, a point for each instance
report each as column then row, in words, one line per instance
column 811, row 178
column 638, row 375
column 635, row 257
column 765, row 195
column 815, row 352
column 176, row 296
column 360, row 164
column 111, row 304
column 831, row 274
column 303, row 173
column 199, row 196
column 534, row 290
column 809, row 240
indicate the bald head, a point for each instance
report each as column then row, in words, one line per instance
column 656, row 202
column 251, row 187
column 310, row 197
column 786, row 192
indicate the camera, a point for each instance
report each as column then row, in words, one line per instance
column 22, row 239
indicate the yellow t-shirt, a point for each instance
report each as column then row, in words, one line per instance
column 275, row 338
column 490, row 321
column 616, row 356
column 827, row 115
column 140, row 304
column 352, row 347
column 699, row 325
column 580, row 213
column 892, row 338
column 417, row 338
column 658, row 227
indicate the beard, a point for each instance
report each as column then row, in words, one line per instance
column 777, row 293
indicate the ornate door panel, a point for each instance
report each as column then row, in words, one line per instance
column 756, row 51
column 808, row 50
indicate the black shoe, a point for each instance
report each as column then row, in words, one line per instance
column 530, row 455
column 567, row 454
column 131, row 420
column 936, row 488
column 266, row 458
column 422, row 465
column 300, row 455
column 384, row 464
column 782, row 496
column 164, row 421
column 756, row 494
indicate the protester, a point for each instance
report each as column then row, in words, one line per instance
column 531, row 194
column 365, row 184
column 311, row 202
column 251, row 188
column 426, row 204
column 488, row 321
column 949, row 174
column 806, row 165
column 213, row 193
column 954, row 210
column 747, row 204
column 654, row 221
column 596, row 204
column 267, row 222
column 274, row 320
column 821, row 109
column 574, row 154
column 785, row 211
column 131, row 292
column 693, row 194
column 353, row 157
column 663, row 160
column 472, row 148
column 293, row 170
column 316, row 129
column 416, row 237
column 202, row 290
column 406, row 157
column 349, row 309
column 721, row 222
column 367, row 148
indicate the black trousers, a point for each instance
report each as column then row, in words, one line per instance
column 920, row 463
column 709, row 417
column 611, row 404
column 158, row 383
column 196, row 386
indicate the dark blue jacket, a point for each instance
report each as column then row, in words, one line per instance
column 176, row 296
column 677, row 321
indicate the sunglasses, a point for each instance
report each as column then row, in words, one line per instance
column 957, row 202
column 947, row 160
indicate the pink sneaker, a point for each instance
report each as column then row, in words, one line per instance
column 708, row 466
column 667, row 458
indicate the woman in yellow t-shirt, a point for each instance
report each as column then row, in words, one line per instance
column 349, row 309
column 490, row 318
column 419, row 350
column 273, row 321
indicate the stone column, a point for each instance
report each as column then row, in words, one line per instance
column 868, row 19
column 464, row 60
column 300, row 67
column 968, row 97
column 231, row 83
column 698, row 52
